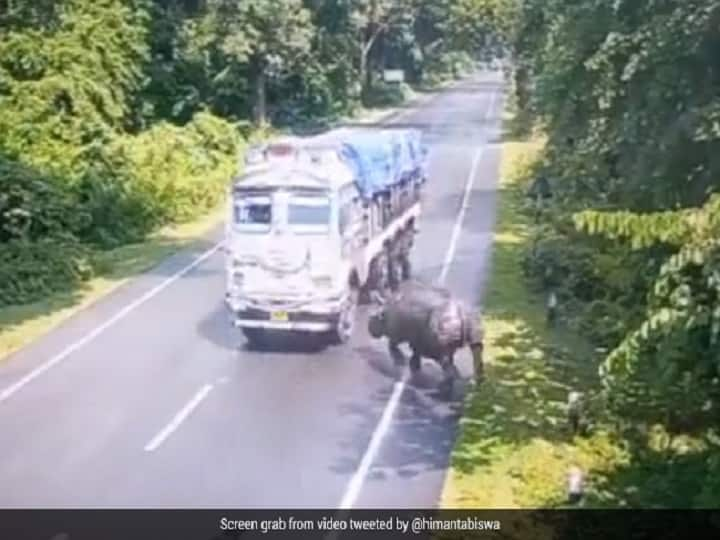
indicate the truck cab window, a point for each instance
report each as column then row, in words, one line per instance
column 309, row 214
column 253, row 213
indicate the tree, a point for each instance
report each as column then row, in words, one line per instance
column 372, row 19
column 627, row 93
column 66, row 83
column 264, row 37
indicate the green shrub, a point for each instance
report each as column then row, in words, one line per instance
column 174, row 174
column 34, row 206
column 165, row 175
column 39, row 220
column 118, row 214
column 30, row 270
column 444, row 66
column 388, row 94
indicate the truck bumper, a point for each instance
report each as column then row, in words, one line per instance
column 303, row 320
column 298, row 326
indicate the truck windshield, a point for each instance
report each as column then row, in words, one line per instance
column 309, row 213
column 253, row 213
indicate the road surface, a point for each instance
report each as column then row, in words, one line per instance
column 150, row 399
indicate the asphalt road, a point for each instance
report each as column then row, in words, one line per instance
column 150, row 399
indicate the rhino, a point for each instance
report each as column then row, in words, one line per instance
column 432, row 322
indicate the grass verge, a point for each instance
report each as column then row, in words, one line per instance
column 514, row 448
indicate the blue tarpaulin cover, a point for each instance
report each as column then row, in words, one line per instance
column 381, row 159
column 371, row 157
column 417, row 152
column 404, row 165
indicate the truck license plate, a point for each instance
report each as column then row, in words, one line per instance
column 279, row 316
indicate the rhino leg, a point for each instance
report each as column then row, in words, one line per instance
column 451, row 373
column 449, row 367
column 396, row 354
column 415, row 362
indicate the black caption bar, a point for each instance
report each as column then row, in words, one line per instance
column 358, row 524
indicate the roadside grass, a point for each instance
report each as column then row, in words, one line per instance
column 515, row 448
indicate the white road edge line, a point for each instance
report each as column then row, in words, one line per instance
column 8, row 392
column 180, row 417
column 353, row 489
column 358, row 479
column 457, row 229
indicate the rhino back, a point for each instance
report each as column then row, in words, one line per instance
column 422, row 294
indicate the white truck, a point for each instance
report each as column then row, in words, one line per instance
column 316, row 224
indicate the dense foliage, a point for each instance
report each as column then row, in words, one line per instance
column 628, row 95
column 120, row 116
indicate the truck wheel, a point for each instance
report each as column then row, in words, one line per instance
column 365, row 298
column 395, row 274
column 379, row 276
column 343, row 331
column 406, row 268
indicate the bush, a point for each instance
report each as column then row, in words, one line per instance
column 39, row 219
column 30, row 270
column 35, row 206
column 388, row 95
column 118, row 214
column 165, row 175
column 173, row 174
column 445, row 66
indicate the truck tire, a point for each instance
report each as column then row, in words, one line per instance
column 406, row 268
column 395, row 272
column 380, row 278
column 343, row 331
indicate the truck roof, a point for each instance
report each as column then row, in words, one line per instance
column 297, row 175
column 373, row 159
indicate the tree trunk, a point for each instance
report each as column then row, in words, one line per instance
column 521, row 87
column 363, row 70
column 365, row 61
column 260, row 105
column 368, row 73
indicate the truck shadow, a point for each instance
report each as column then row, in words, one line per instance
column 285, row 342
